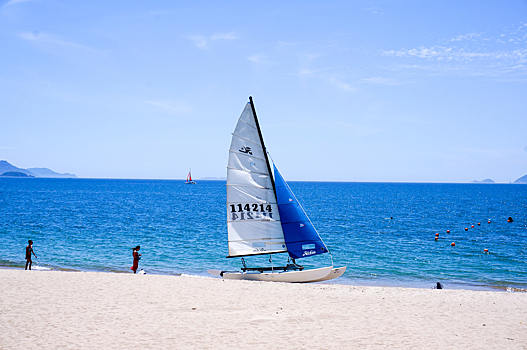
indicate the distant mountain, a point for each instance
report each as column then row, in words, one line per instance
column 5, row 167
column 15, row 174
column 45, row 172
column 521, row 180
column 486, row 181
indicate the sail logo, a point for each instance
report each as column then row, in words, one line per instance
column 309, row 252
column 246, row 150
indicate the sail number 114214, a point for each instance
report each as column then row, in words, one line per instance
column 250, row 207
column 250, row 211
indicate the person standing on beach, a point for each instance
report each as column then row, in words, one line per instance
column 29, row 251
column 137, row 257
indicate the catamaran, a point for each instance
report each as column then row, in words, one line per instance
column 189, row 179
column 263, row 214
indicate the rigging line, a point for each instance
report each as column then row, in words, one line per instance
column 308, row 219
column 244, row 139
column 243, row 121
column 262, row 253
column 260, row 188
column 262, row 142
column 248, row 171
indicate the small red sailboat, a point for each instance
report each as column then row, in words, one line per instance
column 189, row 179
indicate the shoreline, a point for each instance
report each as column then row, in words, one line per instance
column 338, row 281
column 53, row 309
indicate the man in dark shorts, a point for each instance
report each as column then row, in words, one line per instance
column 29, row 250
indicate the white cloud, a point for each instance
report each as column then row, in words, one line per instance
column 12, row 2
column 260, row 59
column 171, row 107
column 310, row 57
column 199, row 41
column 203, row 42
column 328, row 77
column 374, row 10
column 227, row 36
column 49, row 40
column 341, row 85
column 470, row 36
column 379, row 80
column 457, row 54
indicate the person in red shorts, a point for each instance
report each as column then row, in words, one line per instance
column 137, row 257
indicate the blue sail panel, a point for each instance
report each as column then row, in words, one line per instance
column 301, row 237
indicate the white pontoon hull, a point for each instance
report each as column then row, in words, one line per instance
column 303, row 276
column 337, row 272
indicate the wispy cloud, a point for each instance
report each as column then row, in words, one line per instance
column 12, row 2
column 460, row 54
column 470, row 36
column 203, row 42
column 224, row 36
column 171, row 107
column 309, row 57
column 380, row 81
column 199, row 41
column 341, row 85
column 374, row 9
column 469, row 54
column 328, row 76
column 260, row 59
column 48, row 40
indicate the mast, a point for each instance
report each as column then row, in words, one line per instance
column 263, row 144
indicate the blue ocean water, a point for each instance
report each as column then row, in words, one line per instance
column 383, row 232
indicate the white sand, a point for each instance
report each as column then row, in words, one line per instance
column 84, row 310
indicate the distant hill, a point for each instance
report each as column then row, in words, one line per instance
column 45, row 172
column 486, row 181
column 521, row 180
column 5, row 167
column 15, row 174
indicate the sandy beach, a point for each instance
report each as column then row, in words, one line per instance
column 81, row 310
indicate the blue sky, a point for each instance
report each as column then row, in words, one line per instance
column 418, row 91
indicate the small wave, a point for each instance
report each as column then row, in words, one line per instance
column 41, row 268
column 194, row 276
column 516, row 290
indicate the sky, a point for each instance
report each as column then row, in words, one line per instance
column 380, row 91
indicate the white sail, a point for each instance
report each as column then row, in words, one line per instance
column 253, row 221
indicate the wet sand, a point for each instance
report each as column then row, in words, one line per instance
column 81, row 310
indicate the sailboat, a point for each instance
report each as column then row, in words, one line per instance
column 263, row 214
column 189, row 179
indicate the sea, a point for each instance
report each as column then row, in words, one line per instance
column 383, row 232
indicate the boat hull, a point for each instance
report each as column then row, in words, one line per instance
column 303, row 276
column 337, row 272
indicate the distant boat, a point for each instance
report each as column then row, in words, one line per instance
column 189, row 179
column 263, row 214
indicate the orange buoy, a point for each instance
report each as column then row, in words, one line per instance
column 489, row 221
column 437, row 237
column 472, row 226
column 447, row 231
column 486, row 250
column 479, row 223
column 466, row 229
column 453, row 244
column 437, row 234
